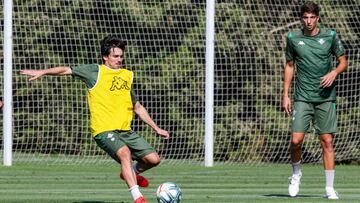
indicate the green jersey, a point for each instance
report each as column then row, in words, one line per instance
column 313, row 57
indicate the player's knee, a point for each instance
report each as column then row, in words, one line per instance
column 296, row 143
column 155, row 160
column 297, row 139
column 123, row 153
column 152, row 160
column 326, row 142
column 327, row 145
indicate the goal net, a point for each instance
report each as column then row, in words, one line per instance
column 166, row 51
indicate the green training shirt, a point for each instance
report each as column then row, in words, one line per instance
column 88, row 73
column 313, row 56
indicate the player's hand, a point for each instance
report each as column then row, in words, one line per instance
column 328, row 79
column 163, row 133
column 287, row 105
column 35, row 74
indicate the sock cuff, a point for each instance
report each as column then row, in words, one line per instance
column 296, row 163
column 133, row 187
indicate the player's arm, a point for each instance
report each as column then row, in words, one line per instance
column 329, row 78
column 141, row 111
column 288, row 76
column 35, row 74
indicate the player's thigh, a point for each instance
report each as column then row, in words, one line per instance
column 303, row 114
column 110, row 142
column 138, row 146
column 325, row 120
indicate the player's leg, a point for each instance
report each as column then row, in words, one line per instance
column 295, row 147
column 124, row 155
column 325, row 125
column 297, row 139
column 295, row 150
column 143, row 153
column 112, row 143
column 301, row 118
column 128, row 174
column 328, row 151
column 329, row 165
column 147, row 162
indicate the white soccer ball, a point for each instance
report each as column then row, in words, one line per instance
column 168, row 192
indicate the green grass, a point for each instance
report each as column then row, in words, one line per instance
column 221, row 184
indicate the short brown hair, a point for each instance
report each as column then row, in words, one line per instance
column 310, row 7
column 110, row 42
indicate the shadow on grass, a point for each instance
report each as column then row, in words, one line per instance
column 288, row 196
column 100, row 202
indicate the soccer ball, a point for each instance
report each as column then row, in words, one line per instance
column 168, row 192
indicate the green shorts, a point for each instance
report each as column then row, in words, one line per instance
column 112, row 141
column 322, row 115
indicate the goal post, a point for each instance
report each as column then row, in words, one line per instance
column 7, row 108
column 209, row 83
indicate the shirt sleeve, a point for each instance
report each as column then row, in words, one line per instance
column 133, row 96
column 337, row 47
column 289, row 50
column 88, row 73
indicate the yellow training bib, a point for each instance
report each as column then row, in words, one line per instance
column 110, row 102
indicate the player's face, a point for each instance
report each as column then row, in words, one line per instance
column 309, row 21
column 115, row 59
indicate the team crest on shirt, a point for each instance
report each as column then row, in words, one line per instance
column 301, row 43
column 119, row 84
column 111, row 137
column 321, row 41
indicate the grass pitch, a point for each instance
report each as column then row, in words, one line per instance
column 221, row 184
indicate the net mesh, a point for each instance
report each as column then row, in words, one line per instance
column 166, row 50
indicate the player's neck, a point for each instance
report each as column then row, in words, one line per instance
column 112, row 67
column 313, row 32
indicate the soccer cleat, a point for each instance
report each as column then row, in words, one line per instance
column 331, row 193
column 141, row 180
column 294, row 184
column 140, row 200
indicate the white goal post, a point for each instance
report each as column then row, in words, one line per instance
column 7, row 109
column 209, row 83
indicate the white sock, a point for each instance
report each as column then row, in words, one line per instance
column 135, row 168
column 329, row 178
column 296, row 168
column 135, row 192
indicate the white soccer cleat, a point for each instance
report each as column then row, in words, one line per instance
column 294, row 184
column 331, row 193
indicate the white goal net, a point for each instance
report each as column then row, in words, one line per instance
column 166, row 51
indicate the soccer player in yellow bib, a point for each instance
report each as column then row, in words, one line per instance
column 112, row 102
